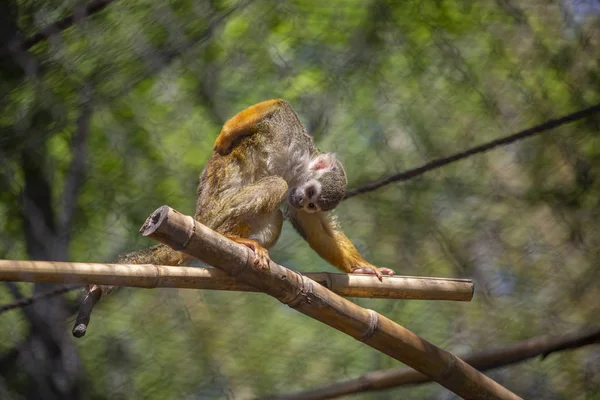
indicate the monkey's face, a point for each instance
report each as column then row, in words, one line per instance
column 306, row 197
column 324, row 190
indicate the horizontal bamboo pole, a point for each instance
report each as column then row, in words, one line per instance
column 482, row 360
column 185, row 234
column 155, row 276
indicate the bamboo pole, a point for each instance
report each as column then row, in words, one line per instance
column 183, row 233
column 482, row 360
column 155, row 276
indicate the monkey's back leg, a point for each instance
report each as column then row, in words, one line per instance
column 250, row 216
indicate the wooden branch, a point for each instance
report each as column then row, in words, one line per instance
column 77, row 168
column 155, row 276
column 483, row 360
column 25, row 301
column 183, row 233
column 79, row 14
column 85, row 311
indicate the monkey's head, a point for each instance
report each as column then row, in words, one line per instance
column 324, row 189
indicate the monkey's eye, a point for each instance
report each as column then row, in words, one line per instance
column 311, row 192
column 311, row 206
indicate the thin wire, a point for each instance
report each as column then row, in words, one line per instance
column 440, row 162
column 25, row 301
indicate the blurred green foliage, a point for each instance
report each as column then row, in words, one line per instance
column 387, row 86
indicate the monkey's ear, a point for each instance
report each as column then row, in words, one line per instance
column 325, row 162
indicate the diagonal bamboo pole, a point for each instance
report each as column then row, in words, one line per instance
column 183, row 233
column 155, row 276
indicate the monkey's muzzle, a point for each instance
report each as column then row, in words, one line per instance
column 296, row 198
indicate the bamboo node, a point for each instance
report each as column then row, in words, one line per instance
column 328, row 281
column 450, row 367
column 301, row 296
column 158, row 276
column 187, row 241
column 373, row 323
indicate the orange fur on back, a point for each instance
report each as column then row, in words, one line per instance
column 242, row 122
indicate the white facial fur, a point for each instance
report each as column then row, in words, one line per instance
column 312, row 191
column 305, row 189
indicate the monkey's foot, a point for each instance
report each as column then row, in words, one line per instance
column 374, row 271
column 261, row 255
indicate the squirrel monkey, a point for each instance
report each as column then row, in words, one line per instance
column 263, row 158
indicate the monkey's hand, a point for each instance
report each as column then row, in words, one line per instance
column 261, row 255
column 373, row 270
